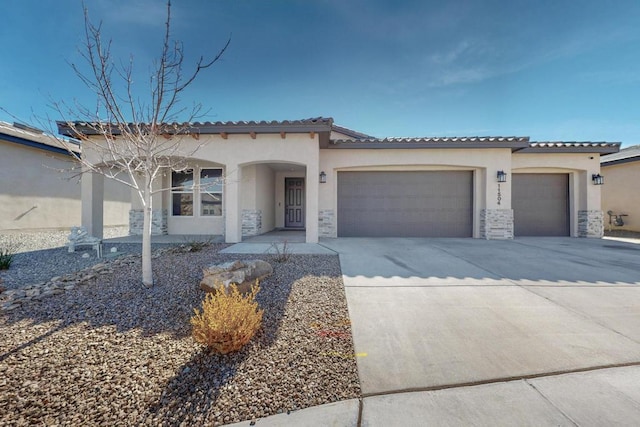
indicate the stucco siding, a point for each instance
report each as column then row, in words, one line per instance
column 34, row 194
column 621, row 193
column 190, row 224
column 265, row 196
column 484, row 163
column 583, row 194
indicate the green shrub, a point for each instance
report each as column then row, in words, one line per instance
column 7, row 252
column 228, row 319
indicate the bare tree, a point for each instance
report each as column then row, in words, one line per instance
column 127, row 139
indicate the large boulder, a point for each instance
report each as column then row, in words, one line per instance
column 241, row 273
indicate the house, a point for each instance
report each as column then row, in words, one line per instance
column 35, row 193
column 332, row 182
column 621, row 193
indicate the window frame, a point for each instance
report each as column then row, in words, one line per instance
column 203, row 191
column 196, row 190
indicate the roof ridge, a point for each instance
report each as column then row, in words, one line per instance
column 351, row 132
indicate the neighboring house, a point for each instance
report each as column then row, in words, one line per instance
column 621, row 189
column 35, row 193
column 334, row 182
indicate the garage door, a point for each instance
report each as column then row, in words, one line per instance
column 540, row 204
column 405, row 204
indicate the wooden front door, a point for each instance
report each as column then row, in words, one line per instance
column 294, row 202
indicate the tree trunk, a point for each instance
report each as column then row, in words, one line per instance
column 147, row 272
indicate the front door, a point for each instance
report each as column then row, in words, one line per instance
column 294, row 202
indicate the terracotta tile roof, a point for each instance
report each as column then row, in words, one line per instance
column 628, row 154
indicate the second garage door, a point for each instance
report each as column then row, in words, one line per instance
column 540, row 204
column 405, row 204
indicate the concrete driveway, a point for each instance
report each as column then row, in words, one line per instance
column 434, row 315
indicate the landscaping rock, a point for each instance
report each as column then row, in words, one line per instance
column 241, row 273
column 109, row 353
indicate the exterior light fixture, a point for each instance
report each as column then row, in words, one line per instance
column 502, row 176
column 323, row 177
column 597, row 179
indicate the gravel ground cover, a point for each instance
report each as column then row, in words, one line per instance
column 39, row 256
column 112, row 353
column 33, row 240
column 41, row 265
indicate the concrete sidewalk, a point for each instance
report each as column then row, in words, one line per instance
column 533, row 331
column 594, row 398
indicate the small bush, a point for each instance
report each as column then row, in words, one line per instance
column 281, row 253
column 7, row 252
column 194, row 245
column 228, row 319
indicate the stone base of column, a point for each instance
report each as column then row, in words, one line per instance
column 158, row 222
column 327, row 223
column 496, row 224
column 590, row 223
column 251, row 222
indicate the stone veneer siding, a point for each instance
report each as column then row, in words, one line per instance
column 251, row 222
column 158, row 222
column 590, row 223
column 327, row 223
column 496, row 224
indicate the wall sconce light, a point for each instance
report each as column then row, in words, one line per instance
column 323, row 177
column 502, row 176
column 597, row 179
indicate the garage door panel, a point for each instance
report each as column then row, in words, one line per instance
column 405, row 204
column 540, row 204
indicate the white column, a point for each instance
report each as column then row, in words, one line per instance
column 311, row 219
column 92, row 193
column 233, row 215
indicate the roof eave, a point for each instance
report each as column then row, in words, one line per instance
column 71, row 129
column 513, row 145
column 350, row 132
column 604, row 162
column 578, row 149
column 35, row 144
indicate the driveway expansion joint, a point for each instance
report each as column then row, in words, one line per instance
column 502, row 379
column 550, row 402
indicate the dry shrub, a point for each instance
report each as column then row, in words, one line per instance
column 228, row 319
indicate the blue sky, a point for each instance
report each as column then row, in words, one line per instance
column 552, row 70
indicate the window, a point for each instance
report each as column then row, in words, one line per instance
column 206, row 191
column 211, row 192
column 182, row 193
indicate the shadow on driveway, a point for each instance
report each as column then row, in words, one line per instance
column 435, row 313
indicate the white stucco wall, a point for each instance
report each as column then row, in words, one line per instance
column 249, row 181
column 621, row 193
column 580, row 165
column 265, row 196
column 196, row 224
column 583, row 195
column 34, row 194
column 484, row 163
column 238, row 151
column 258, row 193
